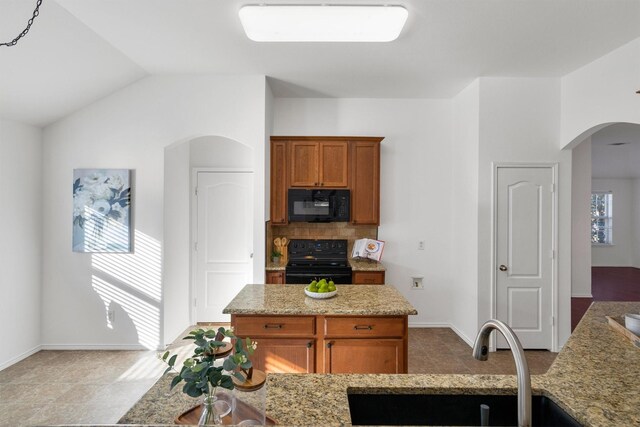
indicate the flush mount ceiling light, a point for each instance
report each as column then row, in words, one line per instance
column 322, row 23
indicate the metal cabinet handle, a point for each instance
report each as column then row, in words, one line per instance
column 329, row 344
column 503, row 267
column 309, row 344
column 363, row 327
column 272, row 326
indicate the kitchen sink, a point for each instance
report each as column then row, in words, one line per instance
column 450, row 410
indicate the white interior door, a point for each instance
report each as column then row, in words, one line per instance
column 524, row 253
column 224, row 241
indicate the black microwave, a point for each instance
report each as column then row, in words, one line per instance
column 318, row 205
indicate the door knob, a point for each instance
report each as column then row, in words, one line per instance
column 503, row 267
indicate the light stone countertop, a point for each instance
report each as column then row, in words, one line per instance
column 356, row 300
column 272, row 266
column 594, row 378
column 366, row 265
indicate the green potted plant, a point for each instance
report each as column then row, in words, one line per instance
column 202, row 375
column 275, row 256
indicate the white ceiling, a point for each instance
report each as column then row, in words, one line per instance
column 81, row 50
column 616, row 161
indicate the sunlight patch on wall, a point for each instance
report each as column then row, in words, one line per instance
column 133, row 281
column 141, row 270
column 145, row 316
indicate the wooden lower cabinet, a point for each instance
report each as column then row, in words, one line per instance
column 285, row 355
column 325, row 343
column 364, row 356
column 368, row 278
column 275, row 277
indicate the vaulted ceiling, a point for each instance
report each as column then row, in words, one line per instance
column 79, row 51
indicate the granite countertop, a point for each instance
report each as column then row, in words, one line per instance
column 594, row 378
column 272, row 266
column 356, row 265
column 366, row 265
column 360, row 300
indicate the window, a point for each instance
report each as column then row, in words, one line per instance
column 601, row 220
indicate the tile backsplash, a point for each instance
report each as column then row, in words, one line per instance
column 310, row 230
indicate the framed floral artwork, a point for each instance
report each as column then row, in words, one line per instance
column 102, row 210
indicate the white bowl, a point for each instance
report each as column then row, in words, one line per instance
column 632, row 323
column 320, row 295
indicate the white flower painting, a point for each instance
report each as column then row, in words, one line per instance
column 101, row 210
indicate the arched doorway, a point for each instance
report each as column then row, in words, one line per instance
column 183, row 160
column 605, row 181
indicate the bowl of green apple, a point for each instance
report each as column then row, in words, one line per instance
column 321, row 289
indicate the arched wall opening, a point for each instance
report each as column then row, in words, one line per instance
column 180, row 159
column 604, row 159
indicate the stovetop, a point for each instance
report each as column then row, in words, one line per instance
column 317, row 263
column 321, row 252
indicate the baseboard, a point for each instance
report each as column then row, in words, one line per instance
column 469, row 341
column 20, row 357
column 94, row 347
column 428, row 325
column 443, row 325
column 581, row 296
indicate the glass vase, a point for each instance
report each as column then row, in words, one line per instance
column 213, row 410
column 250, row 399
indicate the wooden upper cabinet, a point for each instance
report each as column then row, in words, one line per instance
column 304, row 163
column 279, row 183
column 334, row 164
column 327, row 162
column 319, row 164
column 365, row 182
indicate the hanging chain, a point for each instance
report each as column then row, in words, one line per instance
column 36, row 12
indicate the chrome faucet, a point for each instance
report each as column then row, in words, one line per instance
column 481, row 352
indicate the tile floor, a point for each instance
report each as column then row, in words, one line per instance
column 441, row 351
column 91, row 387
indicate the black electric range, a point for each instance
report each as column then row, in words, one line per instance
column 317, row 259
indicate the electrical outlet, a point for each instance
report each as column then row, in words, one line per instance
column 111, row 315
column 421, row 245
column 416, row 283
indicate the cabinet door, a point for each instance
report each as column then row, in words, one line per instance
column 278, row 182
column 304, row 159
column 333, row 164
column 284, row 355
column 368, row 278
column 275, row 277
column 364, row 356
column 365, row 182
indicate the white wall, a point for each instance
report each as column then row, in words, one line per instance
column 620, row 253
column 635, row 220
column 466, row 146
column 177, row 239
column 416, row 194
column 601, row 92
column 21, row 241
column 130, row 129
column 581, row 220
column 268, row 131
column 520, row 122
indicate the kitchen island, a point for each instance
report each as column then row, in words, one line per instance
column 362, row 329
column 594, row 379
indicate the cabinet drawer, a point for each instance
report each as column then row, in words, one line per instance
column 368, row 277
column 282, row 326
column 364, row 326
